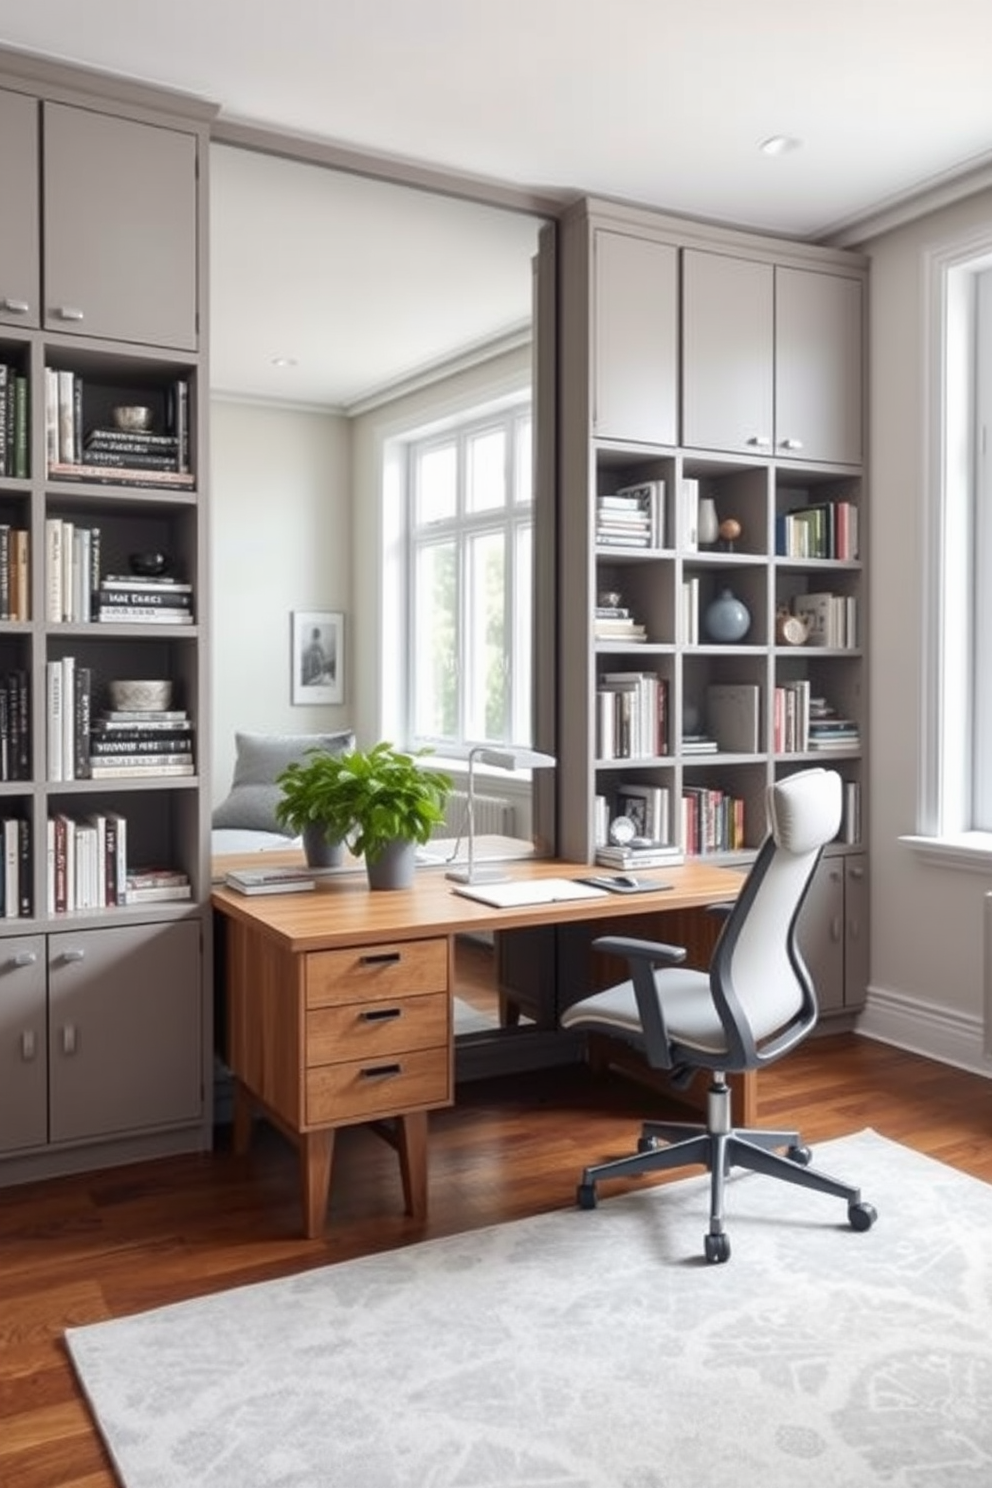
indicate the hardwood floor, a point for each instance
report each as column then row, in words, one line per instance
column 85, row 1248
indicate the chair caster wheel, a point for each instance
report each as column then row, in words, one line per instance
column 800, row 1155
column 585, row 1196
column 717, row 1248
column 861, row 1216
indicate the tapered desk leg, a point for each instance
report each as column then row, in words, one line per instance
column 316, row 1157
column 411, row 1141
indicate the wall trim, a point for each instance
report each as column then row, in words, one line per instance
column 926, row 1028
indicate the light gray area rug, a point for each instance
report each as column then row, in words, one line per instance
column 590, row 1350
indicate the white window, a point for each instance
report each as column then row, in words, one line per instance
column 956, row 788
column 469, row 509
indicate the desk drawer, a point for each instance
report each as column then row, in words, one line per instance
column 362, row 973
column 363, row 1089
column 370, row 1030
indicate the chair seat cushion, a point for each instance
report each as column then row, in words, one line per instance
column 690, row 1015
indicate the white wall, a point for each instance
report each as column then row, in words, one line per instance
column 926, row 921
column 281, row 537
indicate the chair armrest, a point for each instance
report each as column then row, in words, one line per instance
column 655, row 952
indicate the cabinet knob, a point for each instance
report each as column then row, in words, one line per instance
column 857, row 873
column 14, row 307
column 835, row 928
column 28, row 1045
column 70, row 1039
column 75, row 954
column 23, row 958
column 792, row 444
column 67, row 312
column 760, row 441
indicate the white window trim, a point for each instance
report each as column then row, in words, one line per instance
column 942, row 839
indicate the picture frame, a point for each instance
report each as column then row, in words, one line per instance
column 317, row 657
column 647, row 808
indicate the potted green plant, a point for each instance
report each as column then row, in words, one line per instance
column 393, row 803
column 313, row 806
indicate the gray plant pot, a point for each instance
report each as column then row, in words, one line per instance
column 320, row 852
column 394, row 867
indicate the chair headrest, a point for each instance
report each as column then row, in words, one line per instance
column 804, row 810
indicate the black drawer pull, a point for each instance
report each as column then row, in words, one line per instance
column 384, row 958
column 381, row 1072
column 380, row 1015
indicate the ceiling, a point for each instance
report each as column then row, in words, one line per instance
column 657, row 103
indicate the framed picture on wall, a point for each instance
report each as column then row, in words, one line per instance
column 317, row 658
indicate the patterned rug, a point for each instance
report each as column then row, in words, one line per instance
column 590, row 1350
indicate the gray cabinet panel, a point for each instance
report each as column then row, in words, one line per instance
column 833, row 933
column 23, row 1044
column 636, row 339
column 120, row 228
column 19, row 276
column 727, row 353
column 818, row 397
column 125, row 1029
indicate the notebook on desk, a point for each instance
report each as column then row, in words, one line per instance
column 515, row 892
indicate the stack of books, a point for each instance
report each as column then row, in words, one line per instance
column 827, row 731
column 639, row 854
column 132, row 600
column 151, row 885
column 631, row 517
column 132, row 744
column 615, row 623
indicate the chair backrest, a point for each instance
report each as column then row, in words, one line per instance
column 760, row 984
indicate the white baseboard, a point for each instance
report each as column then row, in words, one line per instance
column 926, row 1028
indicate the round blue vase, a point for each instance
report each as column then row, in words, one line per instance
column 727, row 618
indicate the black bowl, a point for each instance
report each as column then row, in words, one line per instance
column 149, row 565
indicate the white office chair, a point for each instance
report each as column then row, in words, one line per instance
column 754, row 1004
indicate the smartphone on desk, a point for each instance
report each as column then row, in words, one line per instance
column 626, row 883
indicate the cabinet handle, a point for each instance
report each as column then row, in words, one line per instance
column 70, row 1039
column 379, row 1015
column 381, row 1072
column 23, row 958
column 835, row 928
column 76, row 954
column 14, row 307
column 67, row 312
column 384, row 958
column 792, row 444
column 857, row 873
column 28, row 1048
column 760, row 441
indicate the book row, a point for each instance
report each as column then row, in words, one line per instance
column 113, row 745
column 15, row 726
column 16, row 869
column 76, row 592
column 87, row 866
column 828, row 529
column 76, row 447
column 14, row 422
column 631, row 715
column 15, row 573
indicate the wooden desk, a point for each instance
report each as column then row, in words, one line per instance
column 339, row 1003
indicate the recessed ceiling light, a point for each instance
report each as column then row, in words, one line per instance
column 281, row 361
column 780, row 144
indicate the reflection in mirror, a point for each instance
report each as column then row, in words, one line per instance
column 346, row 313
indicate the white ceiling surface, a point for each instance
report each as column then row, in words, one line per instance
column 648, row 100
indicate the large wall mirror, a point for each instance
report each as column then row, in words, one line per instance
column 343, row 309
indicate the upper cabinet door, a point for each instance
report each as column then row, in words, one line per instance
column 818, row 366
column 727, row 353
column 635, row 329
column 120, row 241
column 19, row 257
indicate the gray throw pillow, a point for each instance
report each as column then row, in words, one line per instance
column 251, row 805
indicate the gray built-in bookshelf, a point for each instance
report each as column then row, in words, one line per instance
column 105, row 992
column 709, row 478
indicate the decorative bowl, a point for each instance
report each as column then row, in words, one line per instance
column 148, row 565
column 151, row 695
column 133, row 418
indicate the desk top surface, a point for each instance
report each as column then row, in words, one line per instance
column 343, row 911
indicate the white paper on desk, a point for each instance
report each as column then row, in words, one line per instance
column 521, row 891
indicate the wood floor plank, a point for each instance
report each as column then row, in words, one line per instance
column 106, row 1244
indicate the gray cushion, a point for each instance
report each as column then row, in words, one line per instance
column 260, row 758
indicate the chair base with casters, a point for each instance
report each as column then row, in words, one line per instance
column 752, row 1006
column 719, row 1147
